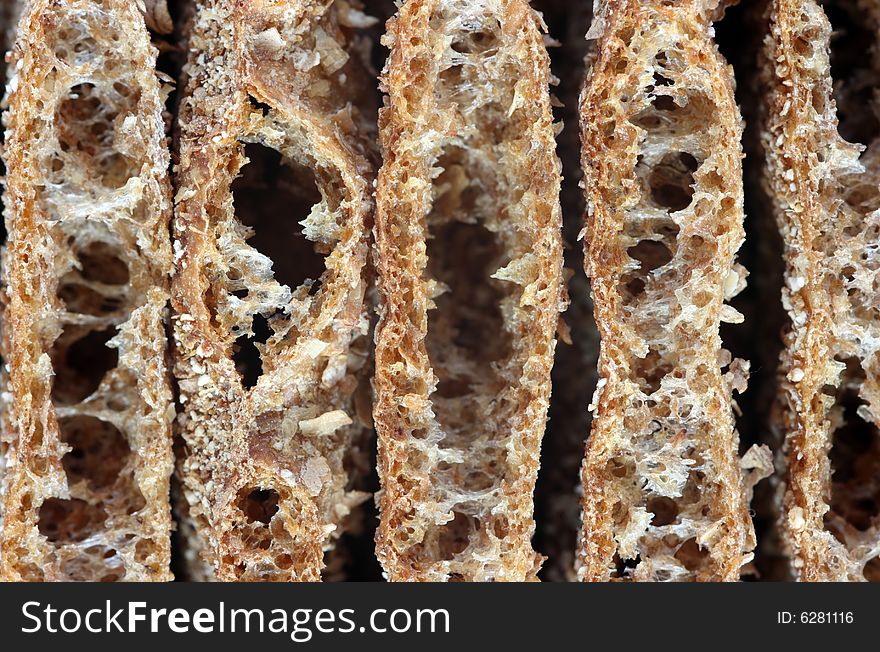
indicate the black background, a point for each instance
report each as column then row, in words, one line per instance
column 482, row 616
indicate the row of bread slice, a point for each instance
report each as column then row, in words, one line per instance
column 459, row 203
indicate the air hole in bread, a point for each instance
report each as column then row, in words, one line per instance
column 853, row 45
column 668, row 184
column 98, row 451
column 272, row 196
column 618, row 467
column 672, row 110
column 803, row 47
column 80, row 361
column 623, row 568
column 855, row 457
column 453, row 536
column 651, row 254
column 466, row 330
column 468, row 479
column 258, row 505
column 85, row 123
column 97, row 562
column 662, row 113
column 672, row 181
column 864, row 198
column 100, row 262
column 650, row 371
column 98, row 265
column 130, row 500
column 872, row 570
column 451, row 81
column 665, row 510
column 260, row 107
column 692, row 556
column 284, row 561
column 478, row 481
column 665, row 103
column 69, row 520
column 113, row 576
column 246, row 352
column 660, row 81
column 632, row 286
column 480, row 41
column 81, row 299
column 452, row 387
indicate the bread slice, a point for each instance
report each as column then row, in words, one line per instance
column 468, row 250
column 664, row 496
column 270, row 326
column 9, row 15
column 89, row 412
column 822, row 144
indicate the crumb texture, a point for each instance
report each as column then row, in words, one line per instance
column 87, row 404
column 469, row 257
column 821, row 69
column 273, row 214
column 664, row 493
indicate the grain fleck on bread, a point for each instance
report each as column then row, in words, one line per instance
column 823, row 163
column 664, row 493
column 88, row 417
column 468, row 251
column 274, row 109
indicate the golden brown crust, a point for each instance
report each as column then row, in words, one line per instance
column 85, row 493
column 664, row 495
column 9, row 15
column 266, row 468
column 826, row 197
column 468, row 251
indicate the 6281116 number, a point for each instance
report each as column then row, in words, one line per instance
column 815, row 617
column 826, row 617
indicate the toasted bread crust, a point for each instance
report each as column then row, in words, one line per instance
column 664, row 496
column 85, row 492
column 470, row 281
column 9, row 15
column 826, row 198
column 265, row 471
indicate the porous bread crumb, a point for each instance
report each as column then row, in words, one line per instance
column 757, row 462
column 326, row 424
column 468, row 250
column 316, row 471
column 87, row 426
column 796, row 520
column 663, row 184
column 823, row 163
column 270, row 42
column 275, row 134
